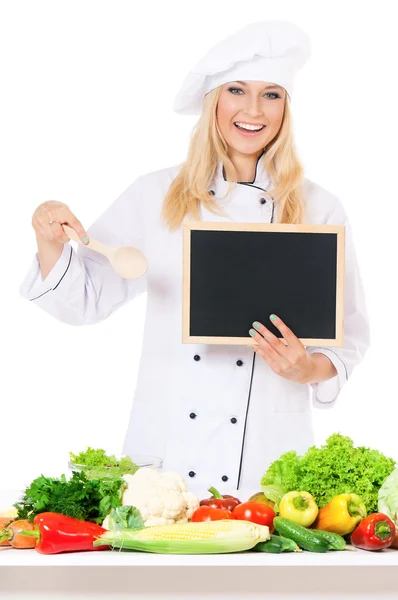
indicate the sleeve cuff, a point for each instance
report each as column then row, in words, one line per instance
column 325, row 392
column 33, row 286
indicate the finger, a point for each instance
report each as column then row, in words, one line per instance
column 270, row 351
column 78, row 227
column 253, row 345
column 281, row 361
column 272, row 363
column 43, row 228
column 65, row 217
column 39, row 229
column 291, row 339
column 57, row 233
column 274, row 341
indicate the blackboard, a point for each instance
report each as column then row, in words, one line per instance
column 237, row 273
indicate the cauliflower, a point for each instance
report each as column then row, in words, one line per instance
column 161, row 498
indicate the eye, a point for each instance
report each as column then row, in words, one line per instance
column 232, row 89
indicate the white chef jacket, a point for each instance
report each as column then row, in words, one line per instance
column 214, row 413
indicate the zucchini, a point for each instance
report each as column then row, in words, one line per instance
column 335, row 541
column 304, row 538
column 277, row 544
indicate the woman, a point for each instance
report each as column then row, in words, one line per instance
column 214, row 413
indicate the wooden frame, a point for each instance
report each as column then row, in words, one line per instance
column 188, row 226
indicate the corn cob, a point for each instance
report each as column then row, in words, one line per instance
column 209, row 537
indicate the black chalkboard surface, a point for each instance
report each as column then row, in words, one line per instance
column 237, row 273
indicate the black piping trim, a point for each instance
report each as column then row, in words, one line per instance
column 54, row 288
column 244, row 427
column 31, row 299
column 250, row 185
column 66, row 270
column 255, row 173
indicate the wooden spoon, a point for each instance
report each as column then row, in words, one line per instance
column 127, row 262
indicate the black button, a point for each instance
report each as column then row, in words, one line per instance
column 196, row 357
column 263, row 201
column 192, row 473
column 212, row 192
column 224, row 478
column 193, row 415
column 239, row 363
column 234, row 420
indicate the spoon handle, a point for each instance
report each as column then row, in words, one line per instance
column 93, row 244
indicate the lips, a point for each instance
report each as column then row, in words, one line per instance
column 249, row 132
column 244, row 129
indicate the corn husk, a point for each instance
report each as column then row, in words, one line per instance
column 209, row 537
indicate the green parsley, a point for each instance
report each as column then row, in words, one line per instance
column 81, row 498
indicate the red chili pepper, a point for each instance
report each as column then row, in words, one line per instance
column 58, row 533
column 375, row 532
column 208, row 513
column 262, row 514
column 218, row 501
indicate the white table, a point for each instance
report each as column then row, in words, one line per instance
column 350, row 575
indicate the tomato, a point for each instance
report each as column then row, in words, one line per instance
column 207, row 513
column 262, row 514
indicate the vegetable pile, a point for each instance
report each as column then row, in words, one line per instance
column 318, row 502
column 335, row 468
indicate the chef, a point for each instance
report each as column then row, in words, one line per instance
column 218, row 414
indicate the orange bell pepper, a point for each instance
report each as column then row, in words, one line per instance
column 342, row 514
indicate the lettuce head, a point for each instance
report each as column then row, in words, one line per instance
column 388, row 497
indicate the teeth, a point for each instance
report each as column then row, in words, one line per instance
column 250, row 127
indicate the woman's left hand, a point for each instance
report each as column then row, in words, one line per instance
column 287, row 358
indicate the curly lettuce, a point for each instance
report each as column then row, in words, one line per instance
column 96, row 464
column 335, row 468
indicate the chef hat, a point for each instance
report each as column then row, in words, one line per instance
column 270, row 51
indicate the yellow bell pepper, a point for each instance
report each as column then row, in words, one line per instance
column 342, row 514
column 299, row 507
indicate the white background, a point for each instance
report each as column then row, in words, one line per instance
column 86, row 107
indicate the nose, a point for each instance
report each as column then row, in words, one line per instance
column 253, row 107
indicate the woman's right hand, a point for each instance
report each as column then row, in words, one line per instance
column 59, row 213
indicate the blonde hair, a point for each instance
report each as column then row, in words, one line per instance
column 207, row 147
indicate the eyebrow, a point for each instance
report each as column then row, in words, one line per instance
column 268, row 87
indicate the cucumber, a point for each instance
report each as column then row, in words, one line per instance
column 277, row 544
column 304, row 538
column 335, row 541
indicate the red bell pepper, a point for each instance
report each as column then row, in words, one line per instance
column 57, row 533
column 375, row 532
column 208, row 513
column 219, row 501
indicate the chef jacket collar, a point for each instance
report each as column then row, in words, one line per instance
column 261, row 177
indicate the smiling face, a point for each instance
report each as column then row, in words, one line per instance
column 250, row 103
